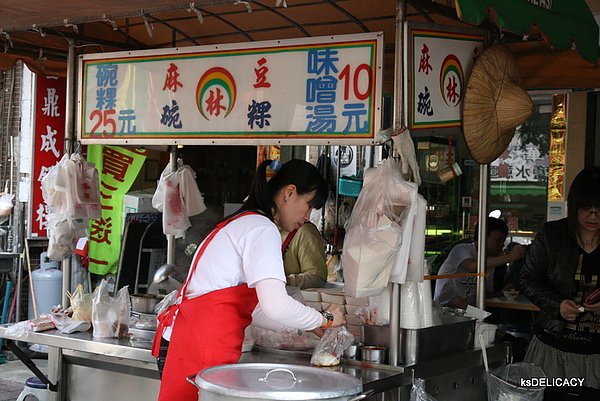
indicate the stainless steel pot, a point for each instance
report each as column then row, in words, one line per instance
column 272, row 381
column 144, row 303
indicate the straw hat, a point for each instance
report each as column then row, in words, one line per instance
column 494, row 104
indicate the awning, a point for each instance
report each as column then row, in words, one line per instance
column 115, row 25
column 565, row 24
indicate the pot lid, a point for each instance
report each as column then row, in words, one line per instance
column 272, row 381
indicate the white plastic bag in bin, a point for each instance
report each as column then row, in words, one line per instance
column 504, row 384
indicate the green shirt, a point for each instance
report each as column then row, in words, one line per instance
column 304, row 261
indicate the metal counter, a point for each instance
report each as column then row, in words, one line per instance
column 92, row 368
column 99, row 369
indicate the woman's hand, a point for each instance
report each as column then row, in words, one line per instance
column 569, row 310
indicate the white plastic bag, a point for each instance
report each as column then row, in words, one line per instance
column 374, row 234
column 178, row 197
column 110, row 315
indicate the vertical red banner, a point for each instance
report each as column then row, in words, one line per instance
column 48, row 144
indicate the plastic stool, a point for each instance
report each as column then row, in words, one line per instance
column 34, row 387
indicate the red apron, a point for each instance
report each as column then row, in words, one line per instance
column 208, row 331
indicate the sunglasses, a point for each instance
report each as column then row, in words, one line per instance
column 589, row 210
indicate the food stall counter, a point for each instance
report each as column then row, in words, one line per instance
column 93, row 368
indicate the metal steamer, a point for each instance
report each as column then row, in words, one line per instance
column 272, row 381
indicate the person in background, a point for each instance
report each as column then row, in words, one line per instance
column 304, row 257
column 237, row 277
column 461, row 291
column 561, row 269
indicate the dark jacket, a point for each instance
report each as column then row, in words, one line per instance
column 548, row 273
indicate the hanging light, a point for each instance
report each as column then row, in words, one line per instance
column 278, row 3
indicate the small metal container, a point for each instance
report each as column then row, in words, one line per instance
column 352, row 352
column 371, row 353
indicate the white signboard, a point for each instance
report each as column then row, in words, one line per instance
column 299, row 91
column 439, row 65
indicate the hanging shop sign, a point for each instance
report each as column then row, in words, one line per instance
column 118, row 169
column 48, row 145
column 298, row 91
column 439, row 64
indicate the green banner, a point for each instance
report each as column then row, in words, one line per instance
column 561, row 21
column 118, row 169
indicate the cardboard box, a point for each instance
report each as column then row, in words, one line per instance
column 316, row 305
column 326, row 305
column 311, row 295
column 352, row 319
column 333, row 298
column 357, row 301
column 357, row 331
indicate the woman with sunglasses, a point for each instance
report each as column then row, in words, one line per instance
column 560, row 274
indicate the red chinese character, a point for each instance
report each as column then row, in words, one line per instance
column 106, row 195
column 424, row 65
column 451, row 93
column 101, row 230
column 213, row 103
column 115, row 163
column 261, row 74
column 171, row 81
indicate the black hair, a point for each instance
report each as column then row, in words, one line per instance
column 584, row 192
column 493, row 224
column 298, row 172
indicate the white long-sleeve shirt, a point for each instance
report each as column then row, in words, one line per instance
column 248, row 250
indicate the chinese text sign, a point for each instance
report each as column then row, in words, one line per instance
column 48, row 144
column 306, row 90
column 439, row 66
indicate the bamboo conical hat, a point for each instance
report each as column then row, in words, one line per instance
column 494, row 104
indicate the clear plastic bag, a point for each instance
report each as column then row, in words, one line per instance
column 110, row 315
column 286, row 339
column 418, row 393
column 374, row 235
column 332, row 346
column 504, row 383
column 81, row 304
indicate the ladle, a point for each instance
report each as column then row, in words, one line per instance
column 163, row 272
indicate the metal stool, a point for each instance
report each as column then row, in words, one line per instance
column 34, row 387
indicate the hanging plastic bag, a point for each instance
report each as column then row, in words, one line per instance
column 332, row 346
column 178, row 197
column 374, row 234
column 110, row 315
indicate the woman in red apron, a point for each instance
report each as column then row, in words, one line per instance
column 237, row 277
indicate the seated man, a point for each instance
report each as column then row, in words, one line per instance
column 460, row 292
column 304, row 257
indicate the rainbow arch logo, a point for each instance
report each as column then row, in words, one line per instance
column 451, row 80
column 220, row 78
